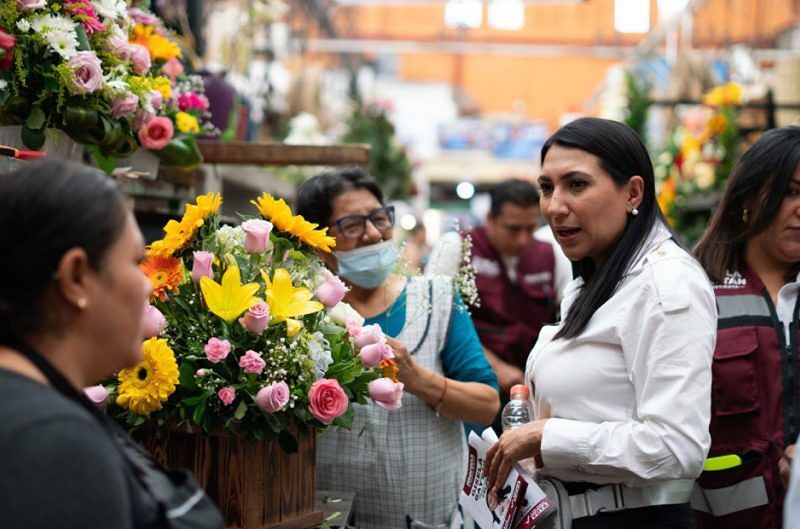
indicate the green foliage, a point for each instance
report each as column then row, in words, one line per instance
column 388, row 161
column 638, row 104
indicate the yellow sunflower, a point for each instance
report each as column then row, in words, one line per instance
column 178, row 235
column 144, row 387
column 165, row 274
column 279, row 213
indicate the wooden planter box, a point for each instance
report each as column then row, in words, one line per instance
column 255, row 484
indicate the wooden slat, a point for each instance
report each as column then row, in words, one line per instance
column 255, row 484
column 246, row 153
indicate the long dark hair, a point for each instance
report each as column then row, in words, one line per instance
column 315, row 197
column 46, row 209
column 622, row 155
column 757, row 184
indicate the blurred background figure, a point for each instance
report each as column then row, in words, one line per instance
column 515, row 276
column 416, row 249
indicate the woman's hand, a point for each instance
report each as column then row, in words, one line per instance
column 407, row 367
column 785, row 464
column 514, row 445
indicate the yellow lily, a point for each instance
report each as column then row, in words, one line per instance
column 231, row 298
column 287, row 301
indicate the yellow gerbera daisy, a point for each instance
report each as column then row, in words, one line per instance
column 178, row 235
column 279, row 213
column 144, row 387
column 165, row 274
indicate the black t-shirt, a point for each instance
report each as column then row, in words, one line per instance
column 59, row 467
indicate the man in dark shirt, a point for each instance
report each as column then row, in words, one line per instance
column 515, row 280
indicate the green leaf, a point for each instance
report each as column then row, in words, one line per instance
column 199, row 414
column 346, row 420
column 186, row 377
column 287, row 442
column 33, row 139
column 36, row 119
column 240, row 411
column 197, row 399
column 106, row 163
column 83, row 39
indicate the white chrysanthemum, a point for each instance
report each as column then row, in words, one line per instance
column 116, row 31
column 3, row 84
column 65, row 43
column 23, row 25
column 107, row 8
column 57, row 23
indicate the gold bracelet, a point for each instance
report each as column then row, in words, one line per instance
column 441, row 399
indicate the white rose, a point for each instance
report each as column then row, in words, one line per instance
column 343, row 312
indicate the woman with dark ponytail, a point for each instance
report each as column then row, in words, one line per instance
column 71, row 306
column 621, row 386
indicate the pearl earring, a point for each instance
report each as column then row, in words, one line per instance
column 635, row 211
column 745, row 215
column 81, row 303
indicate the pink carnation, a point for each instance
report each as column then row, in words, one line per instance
column 227, row 395
column 252, row 362
column 192, row 101
column 217, row 350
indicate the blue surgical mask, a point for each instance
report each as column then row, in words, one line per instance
column 367, row 267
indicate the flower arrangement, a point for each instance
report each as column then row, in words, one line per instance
column 698, row 158
column 248, row 332
column 106, row 75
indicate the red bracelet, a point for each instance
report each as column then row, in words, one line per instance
column 441, row 399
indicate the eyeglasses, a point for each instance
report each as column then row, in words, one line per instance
column 355, row 226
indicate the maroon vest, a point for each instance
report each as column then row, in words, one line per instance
column 510, row 315
column 754, row 401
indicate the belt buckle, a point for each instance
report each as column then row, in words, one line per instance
column 605, row 499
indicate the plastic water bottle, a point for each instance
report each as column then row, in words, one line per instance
column 515, row 413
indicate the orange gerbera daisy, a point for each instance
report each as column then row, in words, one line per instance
column 165, row 274
column 160, row 47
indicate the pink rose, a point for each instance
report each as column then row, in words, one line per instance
column 120, row 48
column 327, row 399
column 217, row 350
column 31, row 5
column 140, row 58
column 172, row 68
column 332, row 291
column 143, row 17
column 227, row 395
column 157, row 133
column 372, row 354
column 156, row 99
column 369, row 335
column 153, row 322
column 124, row 105
column 98, row 395
column 256, row 235
column 386, row 393
column 202, row 266
column 87, row 73
column 273, row 397
column 256, row 319
column 353, row 327
column 252, row 362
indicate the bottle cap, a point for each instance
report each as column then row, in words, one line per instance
column 520, row 390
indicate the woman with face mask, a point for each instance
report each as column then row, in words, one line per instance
column 621, row 386
column 751, row 252
column 405, row 466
